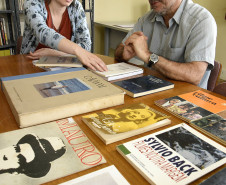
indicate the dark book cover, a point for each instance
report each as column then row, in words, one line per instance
column 144, row 85
column 217, row 179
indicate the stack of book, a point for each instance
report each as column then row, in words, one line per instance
column 120, row 71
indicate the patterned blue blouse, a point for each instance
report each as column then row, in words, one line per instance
column 36, row 31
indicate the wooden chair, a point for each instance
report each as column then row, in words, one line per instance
column 18, row 44
column 220, row 89
column 214, row 76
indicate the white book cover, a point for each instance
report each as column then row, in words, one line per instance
column 174, row 156
column 106, row 176
column 119, row 69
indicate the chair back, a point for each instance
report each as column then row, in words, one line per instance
column 214, row 76
column 220, row 89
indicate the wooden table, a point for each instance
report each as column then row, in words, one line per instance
column 19, row 64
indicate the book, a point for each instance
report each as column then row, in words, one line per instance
column 106, row 176
column 42, row 97
column 46, row 152
column 119, row 123
column 119, row 70
column 216, row 179
column 202, row 110
column 144, row 85
column 174, row 156
column 58, row 61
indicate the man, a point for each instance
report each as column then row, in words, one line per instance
column 177, row 38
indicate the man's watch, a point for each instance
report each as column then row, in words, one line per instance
column 153, row 59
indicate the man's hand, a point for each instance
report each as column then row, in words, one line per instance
column 138, row 42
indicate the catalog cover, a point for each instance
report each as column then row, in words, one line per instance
column 59, row 61
column 202, row 110
column 42, row 153
column 144, row 85
column 174, row 156
column 42, row 97
column 119, row 123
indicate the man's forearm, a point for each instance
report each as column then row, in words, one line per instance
column 191, row 72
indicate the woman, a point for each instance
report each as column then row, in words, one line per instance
column 58, row 27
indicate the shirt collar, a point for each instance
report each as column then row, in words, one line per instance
column 176, row 17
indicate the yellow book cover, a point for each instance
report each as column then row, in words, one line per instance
column 119, row 123
column 41, row 97
column 202, row 110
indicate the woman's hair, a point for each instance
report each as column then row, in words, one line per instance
column 73, row 2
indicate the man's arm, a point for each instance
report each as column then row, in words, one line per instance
column 191, row 72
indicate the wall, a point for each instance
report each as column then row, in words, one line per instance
column 131, row 10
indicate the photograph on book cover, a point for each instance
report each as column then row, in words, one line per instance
column 215, row 124
column 191, row 147
column 42, row 153
column 184, row 108
column 202, row 110
column 61, row 87
column 119, row 120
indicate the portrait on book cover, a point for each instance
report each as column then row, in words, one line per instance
column 62, row 87
column 113, row 121
column 191, row 147
column 31, row 156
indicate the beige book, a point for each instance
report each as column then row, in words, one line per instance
column 42, row 97
column 119, row 123
column 58, row 61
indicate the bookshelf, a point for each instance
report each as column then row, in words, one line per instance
column 10, row 13
column 88, row 6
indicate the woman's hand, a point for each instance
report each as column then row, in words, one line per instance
column 44, row 52
column 90, row 60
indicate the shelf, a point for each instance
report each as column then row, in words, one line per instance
column 6, row 11
column 7, row 46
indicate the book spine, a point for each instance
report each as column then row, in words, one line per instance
column 41, row 74
column 2, row 32
column 1, row 43
column 4, row 28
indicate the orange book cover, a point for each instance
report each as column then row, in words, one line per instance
column 202, row 110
